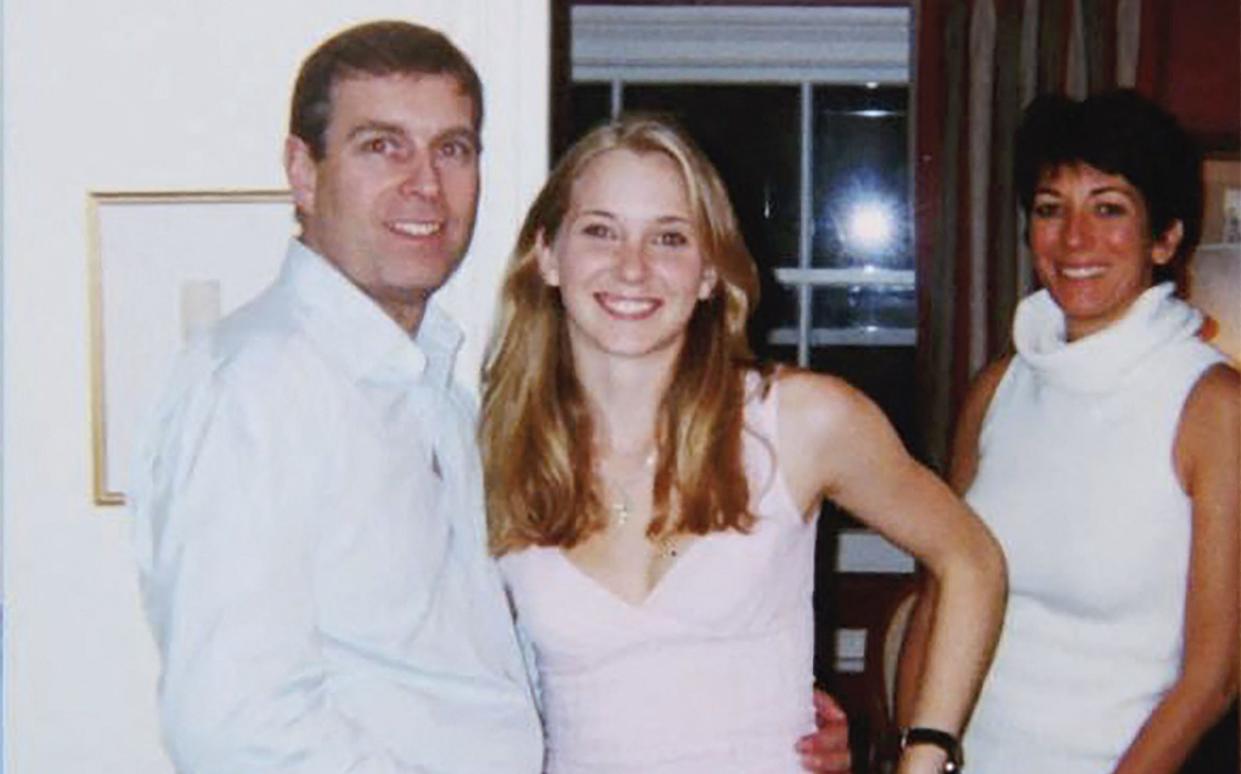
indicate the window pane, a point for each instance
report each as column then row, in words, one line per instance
column 589, row 104
column 863, row 306
column 860, row 183
column 780, row 306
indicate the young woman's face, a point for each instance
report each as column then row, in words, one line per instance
column 1090, row 235
column 628, row 258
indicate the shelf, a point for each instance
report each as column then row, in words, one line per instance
column 847, row 337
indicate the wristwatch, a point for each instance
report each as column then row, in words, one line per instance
column 941, row 739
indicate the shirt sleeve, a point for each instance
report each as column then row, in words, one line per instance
column 227, row 513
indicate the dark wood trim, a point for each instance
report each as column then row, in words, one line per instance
column 561, row 77
column 897, row 3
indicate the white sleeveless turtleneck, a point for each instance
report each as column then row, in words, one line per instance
column 1076, row 479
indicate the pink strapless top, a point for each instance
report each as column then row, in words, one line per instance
column 712, row 672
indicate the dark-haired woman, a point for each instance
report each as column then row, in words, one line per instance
column 1104, row 456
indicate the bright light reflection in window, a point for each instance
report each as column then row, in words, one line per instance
column 871, row 226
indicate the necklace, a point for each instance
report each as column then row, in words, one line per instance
column 621, row 509
column 622, row 506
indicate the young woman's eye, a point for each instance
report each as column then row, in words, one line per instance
column 671, row 239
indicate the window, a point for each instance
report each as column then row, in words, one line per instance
column 804, row 112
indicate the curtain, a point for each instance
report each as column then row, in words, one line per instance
column 978, row 63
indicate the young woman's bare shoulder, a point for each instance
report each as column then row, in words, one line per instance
column 807, row 390
column 821, row 404
column 820, row 415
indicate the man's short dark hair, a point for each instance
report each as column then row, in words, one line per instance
column 376, row 49
column 1121, row 133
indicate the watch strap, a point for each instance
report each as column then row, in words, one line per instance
column 941, row 739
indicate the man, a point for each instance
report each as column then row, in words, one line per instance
column 309, row 501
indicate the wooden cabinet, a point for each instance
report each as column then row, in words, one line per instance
column 859, row 605
column 1190, row 62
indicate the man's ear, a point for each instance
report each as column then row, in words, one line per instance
column 301, row 169
column 547, row 262
column 1164, row 246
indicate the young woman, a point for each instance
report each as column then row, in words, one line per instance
column 652, row 492
column 1104, row 454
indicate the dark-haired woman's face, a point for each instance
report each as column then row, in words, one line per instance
column 1092, row 248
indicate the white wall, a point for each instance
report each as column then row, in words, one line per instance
column 162, row 95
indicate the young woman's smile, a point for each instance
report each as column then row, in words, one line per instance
column 627, row 257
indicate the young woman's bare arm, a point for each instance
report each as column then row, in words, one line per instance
column 834, row 442
column 963, row 464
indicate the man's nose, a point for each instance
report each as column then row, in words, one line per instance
column 420, row 176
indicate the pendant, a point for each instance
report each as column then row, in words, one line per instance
column 621, row 512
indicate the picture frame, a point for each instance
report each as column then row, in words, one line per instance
column 1215, row 269
column 1221, row 212
column 163, row 266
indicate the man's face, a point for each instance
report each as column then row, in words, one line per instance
column 392, row 202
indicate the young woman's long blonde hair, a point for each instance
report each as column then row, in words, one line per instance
column 536, row 429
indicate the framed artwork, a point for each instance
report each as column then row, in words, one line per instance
column 163, row 267
column 1221, row 213
column 1215, row 271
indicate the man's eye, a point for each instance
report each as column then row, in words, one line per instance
column 597, row 230
column 378, row 145
column 457, row 149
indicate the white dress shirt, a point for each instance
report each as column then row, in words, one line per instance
column 312, row 546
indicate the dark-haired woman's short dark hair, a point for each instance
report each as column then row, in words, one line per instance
column 1121, row 133
column 377, row 49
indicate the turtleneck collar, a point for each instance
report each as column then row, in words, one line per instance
column 1101, row 361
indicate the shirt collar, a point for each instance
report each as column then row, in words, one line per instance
column 355, row 331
